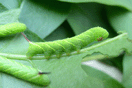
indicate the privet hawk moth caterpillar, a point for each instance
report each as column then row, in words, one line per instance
column 67, row 45
column 11, row 28
column 23, row 72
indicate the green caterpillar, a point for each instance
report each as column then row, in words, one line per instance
column 23, row 72
column 67, row 45
column 11, row 28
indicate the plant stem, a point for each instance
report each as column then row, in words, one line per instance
column 39, row 57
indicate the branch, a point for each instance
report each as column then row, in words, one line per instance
column 39, row 57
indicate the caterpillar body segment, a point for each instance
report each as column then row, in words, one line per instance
column 67, row 45
column 23, row 72
column 11, row 28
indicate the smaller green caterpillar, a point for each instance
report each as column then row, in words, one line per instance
column 11, row 28
column 23, row 72
column 67, row 45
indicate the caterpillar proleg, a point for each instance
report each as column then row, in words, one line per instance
column 67, row 45
column 24, row 72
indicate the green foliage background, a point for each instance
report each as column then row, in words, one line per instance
column 59, row 19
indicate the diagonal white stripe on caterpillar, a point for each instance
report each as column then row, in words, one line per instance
column 69, row 44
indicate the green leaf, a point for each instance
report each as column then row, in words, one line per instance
column 66, row 72
column 127, row 72
column 120, row 19
column 2, row 8
column 108, row 82
column 118, row 44
column 110, row 47
column 32, row 36
column 44, row 17
column 78, row 20
column 14, row 44
column 11, row 4
column 9, row 16
column 123, row 3
column 82, row 17
column 63, row 31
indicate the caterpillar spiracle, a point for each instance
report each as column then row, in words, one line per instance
column 11, row 28
column 23, row 72
column 67, row 45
